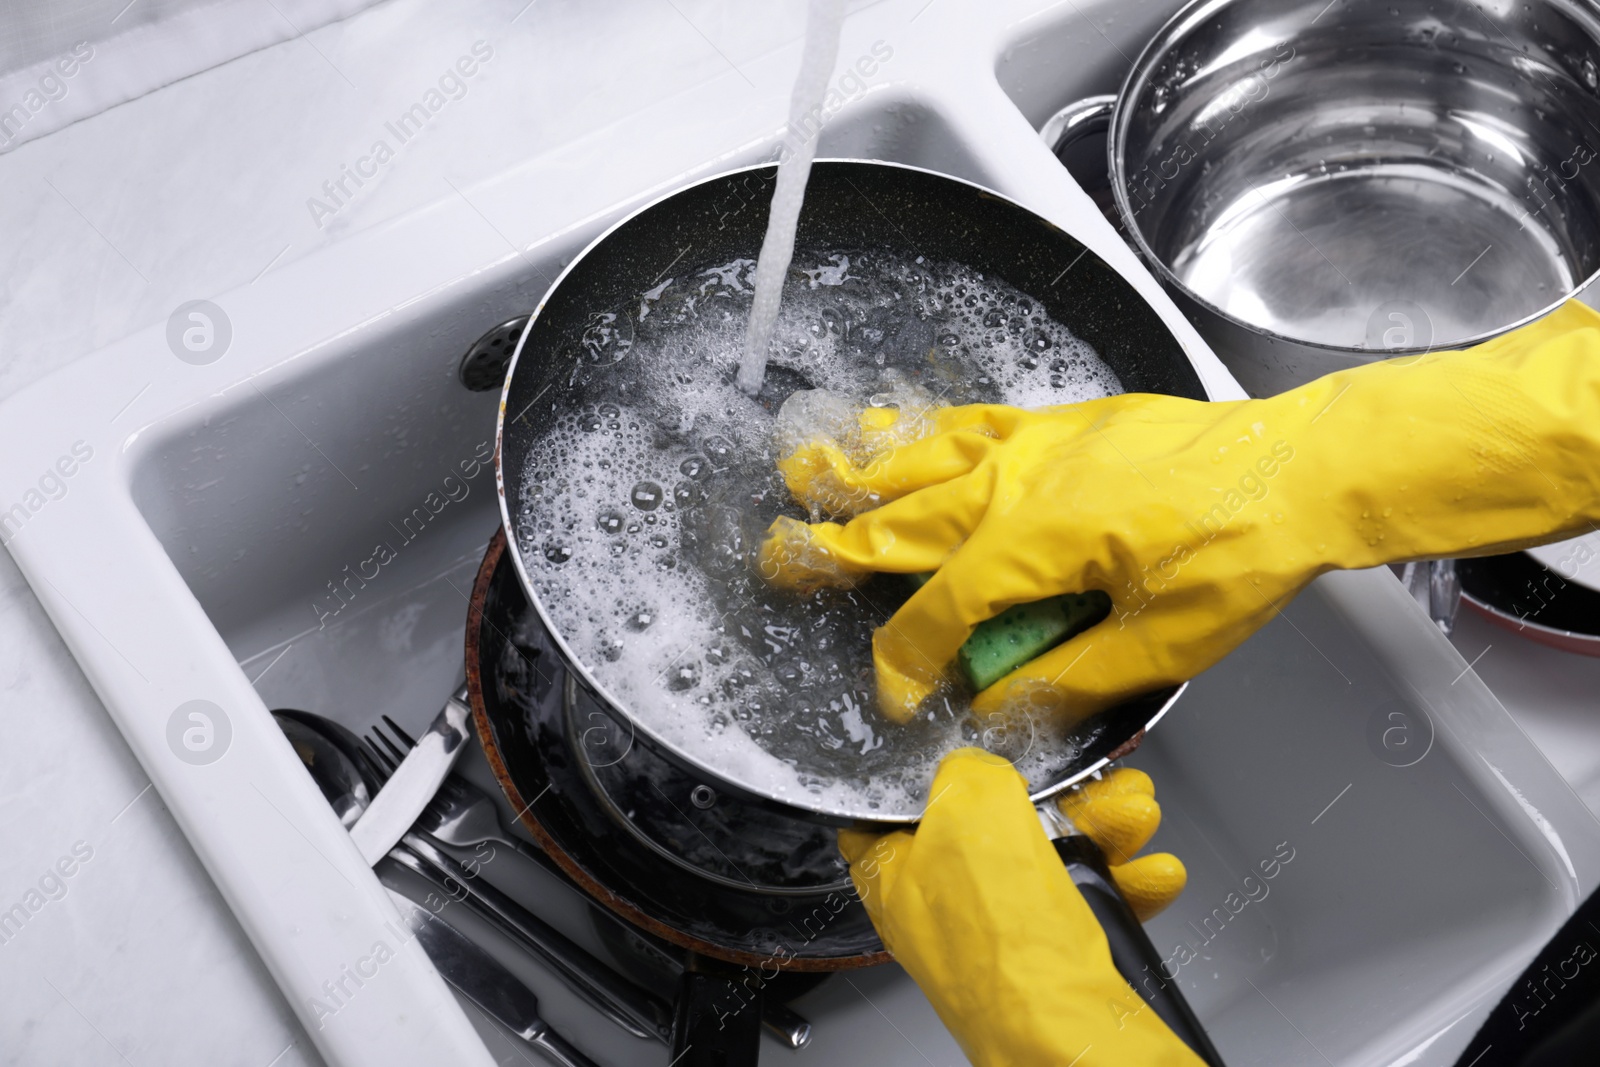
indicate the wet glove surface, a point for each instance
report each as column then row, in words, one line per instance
column 1119, row 813
column 977, row 907
column 1200, row 520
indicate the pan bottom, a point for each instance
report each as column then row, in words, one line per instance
column 1296, row 257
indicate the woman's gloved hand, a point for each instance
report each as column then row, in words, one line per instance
column 1200, row 520
column 979, row 910
column 1120, row 814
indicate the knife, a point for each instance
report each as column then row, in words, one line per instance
column 624, row 1003
column 414, row 782
column 486, row 982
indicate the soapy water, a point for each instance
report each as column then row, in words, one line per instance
column 646, row 505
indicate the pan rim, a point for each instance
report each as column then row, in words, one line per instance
column 581, row 670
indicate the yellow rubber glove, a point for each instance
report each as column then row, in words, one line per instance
column 1120, row 814
column 979, row 910
column 1200, row 520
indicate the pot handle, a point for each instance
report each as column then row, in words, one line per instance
column 1132, row 952
column 1072, row 123
column 1444, row 594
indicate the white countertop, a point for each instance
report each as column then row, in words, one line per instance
column 202, row 187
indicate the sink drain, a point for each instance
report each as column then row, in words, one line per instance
column 484, row 366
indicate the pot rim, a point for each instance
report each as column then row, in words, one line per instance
column 1171, row 34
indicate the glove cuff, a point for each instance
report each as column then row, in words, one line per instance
column 1449, row 454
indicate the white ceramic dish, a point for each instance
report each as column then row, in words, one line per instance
column 222, row 504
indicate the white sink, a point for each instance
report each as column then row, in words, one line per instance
column 195, row 557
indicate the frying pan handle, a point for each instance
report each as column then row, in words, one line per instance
column 1133, row 953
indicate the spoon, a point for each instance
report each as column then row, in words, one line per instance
column 349, row 779
column 334, row 766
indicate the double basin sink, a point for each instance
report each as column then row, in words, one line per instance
column 1374, row 848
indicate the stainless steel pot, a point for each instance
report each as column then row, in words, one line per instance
column 1324, row 184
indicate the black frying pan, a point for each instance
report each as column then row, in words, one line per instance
column 849, row 204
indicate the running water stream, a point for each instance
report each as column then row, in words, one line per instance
column 794, row 167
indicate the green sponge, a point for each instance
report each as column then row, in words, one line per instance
column 1023, row 632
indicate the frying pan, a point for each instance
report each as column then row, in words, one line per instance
column 848, row 204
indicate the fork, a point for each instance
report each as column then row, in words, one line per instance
column 461, row 813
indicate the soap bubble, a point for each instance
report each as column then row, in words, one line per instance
column 646, row 496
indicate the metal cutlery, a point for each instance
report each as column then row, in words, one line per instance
column 483, row 979
column 463, row 815
column 638, row 1011
column 414, row 780
column 348, row 775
